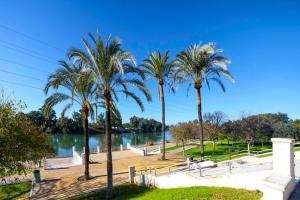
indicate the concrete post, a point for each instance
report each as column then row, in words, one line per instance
column 188, row 161
column 98, row 149
column 131, row 172
column 121, row 147
column 73, row 150
column 128, row 145
column 145, row 151
column 283, row 156
column 83, row 158
column 281, row 183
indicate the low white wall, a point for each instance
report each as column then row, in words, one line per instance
column 137, row 150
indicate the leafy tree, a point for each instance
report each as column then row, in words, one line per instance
column 276, row 117
column 21, row 142
column 182, row 132
column 213, row 125
column 157, row 66
column 145, row 125
column 114, row 71
column 101, row 120
column 77, row 118
column 134, row 122
column 67, row 125
column 80, row 90
column 201, row 64
column 116, row 120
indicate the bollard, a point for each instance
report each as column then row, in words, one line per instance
column 36, row 176
column 131, row 172
column 83, row 158
column 121, row 147
column 98, row 149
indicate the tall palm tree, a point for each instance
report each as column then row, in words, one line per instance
column 78, row 89
column 202, row 64
column 157, row 66
column 114, row 72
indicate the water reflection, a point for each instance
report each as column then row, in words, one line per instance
column 63, row 143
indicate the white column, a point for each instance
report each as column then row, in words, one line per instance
column 121, row 147
column 280, row 184
column 98, row 149
column 283, row 156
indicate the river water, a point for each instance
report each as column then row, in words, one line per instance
column 63, row 143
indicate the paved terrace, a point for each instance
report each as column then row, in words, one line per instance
column 62, row 183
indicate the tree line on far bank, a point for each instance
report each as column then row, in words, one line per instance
column 73, row 125
column 250, row 129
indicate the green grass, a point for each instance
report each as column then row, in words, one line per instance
column 224, row 151
column 134, row 192
column 173, row 147
column 14, row 190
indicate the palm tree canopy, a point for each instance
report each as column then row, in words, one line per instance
column 113, row 69
column 157, row 66
column 202, row 63
column 78, row 85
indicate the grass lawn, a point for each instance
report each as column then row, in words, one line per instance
column 173, row 147
column 196, row 193
column 14, row 191
column 223, row 150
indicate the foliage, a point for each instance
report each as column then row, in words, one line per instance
column 224, row 151
column 114, row 72
column 201, row 64
column 198, row 65
column 21, row 142
column 14, row 190
column 46, row 124
column 144, row 125
column 260, row 128
column 200, row 192
column 212, row 124
column 156, row 66
column 182, row 133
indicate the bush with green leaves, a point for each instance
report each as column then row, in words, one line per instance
column 21, row 142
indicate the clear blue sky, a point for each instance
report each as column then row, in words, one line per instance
column 260, row 37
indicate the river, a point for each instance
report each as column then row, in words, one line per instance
column 63, row 143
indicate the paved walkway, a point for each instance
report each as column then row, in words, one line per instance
column 62, row 183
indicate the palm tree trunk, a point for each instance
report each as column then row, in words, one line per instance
column 200, row 122
column 163, row 128
column 85, row 124
column 108, row 148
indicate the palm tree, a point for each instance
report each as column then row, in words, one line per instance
column 80, row 90
column 114, row 72
column 202, row 64
column 156, row 66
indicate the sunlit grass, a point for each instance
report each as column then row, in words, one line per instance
column 134, row 192
column 14, row 190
